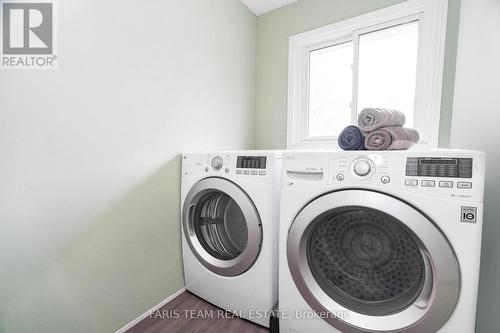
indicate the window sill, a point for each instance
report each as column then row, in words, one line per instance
column 315, row 145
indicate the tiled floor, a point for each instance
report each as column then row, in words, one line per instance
column 190, row 314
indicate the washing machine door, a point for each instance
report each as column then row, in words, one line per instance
column 222, row 226
column 368, row 262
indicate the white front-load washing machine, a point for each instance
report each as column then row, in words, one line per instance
column 230, row 203
column 380, row 241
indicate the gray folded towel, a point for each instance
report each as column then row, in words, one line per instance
column 371, row 119
column 391, row 138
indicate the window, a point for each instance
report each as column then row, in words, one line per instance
column 330, row 89
column 388, row 68
column 391, row 58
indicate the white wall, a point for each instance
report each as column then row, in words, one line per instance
column 475, row 125
column 89, row 163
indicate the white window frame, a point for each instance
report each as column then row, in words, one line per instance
column 432, row 16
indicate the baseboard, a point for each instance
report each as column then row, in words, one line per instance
column 147, row 313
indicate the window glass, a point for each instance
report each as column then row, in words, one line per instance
column 330, row 89
column 387, row 69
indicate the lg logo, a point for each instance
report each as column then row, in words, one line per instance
column 27, row 28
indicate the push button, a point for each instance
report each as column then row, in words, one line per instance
column 262, row 173
column 340, row 177
column 254, row 172
column 464, row 185
column 446, row 184
column 411, row 182
column 238, row 172
column 385, row 179
column 246, row 172
column 428, row 183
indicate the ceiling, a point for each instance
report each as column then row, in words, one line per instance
column 260, row 7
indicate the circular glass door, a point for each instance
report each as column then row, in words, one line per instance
column 376, row 259
column 222, row 226
column 366, row 260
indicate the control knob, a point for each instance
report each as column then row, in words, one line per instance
column 217, row 163
column 362, row 168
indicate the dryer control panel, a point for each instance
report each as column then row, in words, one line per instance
column 251, row 162
column 259, row 166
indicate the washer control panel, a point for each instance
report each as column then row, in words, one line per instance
column 447, row 167
column 370, row 168
column 411, row 182
column 439, row 172
column 393, row 172
column 452, row 174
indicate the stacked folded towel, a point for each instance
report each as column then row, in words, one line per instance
column 378, row 129
column 391, row 138
column 351, row 138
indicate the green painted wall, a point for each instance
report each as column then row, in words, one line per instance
column 476, row 116
column 273, row 30
column 90, row 167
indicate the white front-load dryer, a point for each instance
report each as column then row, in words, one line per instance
column 380, row 241
column 230, row 223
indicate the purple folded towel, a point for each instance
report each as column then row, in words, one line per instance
column 391, row 138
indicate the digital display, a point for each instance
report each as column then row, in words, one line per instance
column 448, row 161
column 439, row 167
column 251, row 162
